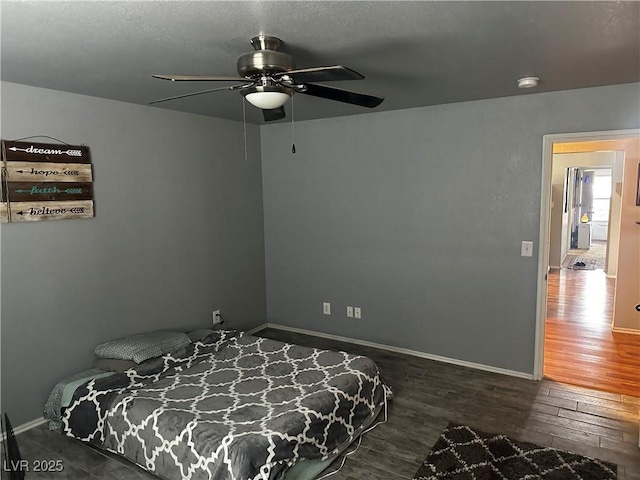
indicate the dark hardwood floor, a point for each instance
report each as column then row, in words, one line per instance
column 580, row 347
column 428, row 395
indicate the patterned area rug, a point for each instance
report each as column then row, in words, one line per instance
column 593, row 257
column 463, row 453
column 581, row 263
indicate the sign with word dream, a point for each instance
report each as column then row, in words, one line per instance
column 42, row 181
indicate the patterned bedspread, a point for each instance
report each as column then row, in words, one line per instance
column 231, row 406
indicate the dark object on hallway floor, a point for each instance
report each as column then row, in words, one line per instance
column 581, row 263
column 462, row 453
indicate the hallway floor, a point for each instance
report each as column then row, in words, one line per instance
column 580, row 347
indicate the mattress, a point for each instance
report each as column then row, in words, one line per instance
column 230, row 407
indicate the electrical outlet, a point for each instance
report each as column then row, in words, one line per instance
column 349, row 312
column 357, row 311
column 217, row 318
column 326, row 308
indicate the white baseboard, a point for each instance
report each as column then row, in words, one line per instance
column 405, row 351
column 631, row 331
column 25, row 426
column 258, row 328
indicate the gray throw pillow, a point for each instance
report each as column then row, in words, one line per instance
column 143, row 346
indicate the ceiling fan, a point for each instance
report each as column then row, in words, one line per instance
column 268, row 78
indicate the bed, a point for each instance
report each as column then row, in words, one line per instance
column 230, row 406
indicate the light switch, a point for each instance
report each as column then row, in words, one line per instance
column 526, row 249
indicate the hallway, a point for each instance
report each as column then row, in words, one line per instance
column 580, row 347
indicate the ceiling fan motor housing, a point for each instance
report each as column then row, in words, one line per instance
column 265, row 59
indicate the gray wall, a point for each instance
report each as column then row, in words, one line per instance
column 417, row 217
column 178, row 232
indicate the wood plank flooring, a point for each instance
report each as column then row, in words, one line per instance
column 428, row 395
column 580, row 347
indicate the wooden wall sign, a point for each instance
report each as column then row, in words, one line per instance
column 42, row 181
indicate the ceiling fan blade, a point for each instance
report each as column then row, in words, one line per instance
column 273, row 114
column 341, row 95
column 232, row 87
column 322, row 74
column 199, row 78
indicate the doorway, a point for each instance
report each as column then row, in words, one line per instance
column 589, row 191
column 584, row 209
column 574, row 337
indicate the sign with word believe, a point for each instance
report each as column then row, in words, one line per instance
column 42, row 181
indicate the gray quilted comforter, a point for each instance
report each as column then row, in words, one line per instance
column 231, row 406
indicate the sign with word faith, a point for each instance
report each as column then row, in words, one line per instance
column 42, row 181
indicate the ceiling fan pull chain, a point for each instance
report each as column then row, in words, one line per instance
column 293, row 131
column 244, row 128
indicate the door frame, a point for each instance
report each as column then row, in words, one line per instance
column 545, row 226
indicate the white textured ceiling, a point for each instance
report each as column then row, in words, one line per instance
column 412, row 53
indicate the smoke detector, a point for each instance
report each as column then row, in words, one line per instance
column 528, row 82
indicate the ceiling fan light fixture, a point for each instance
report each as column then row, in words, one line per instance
column 267, row 100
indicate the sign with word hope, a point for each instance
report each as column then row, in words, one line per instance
column 42, row 181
